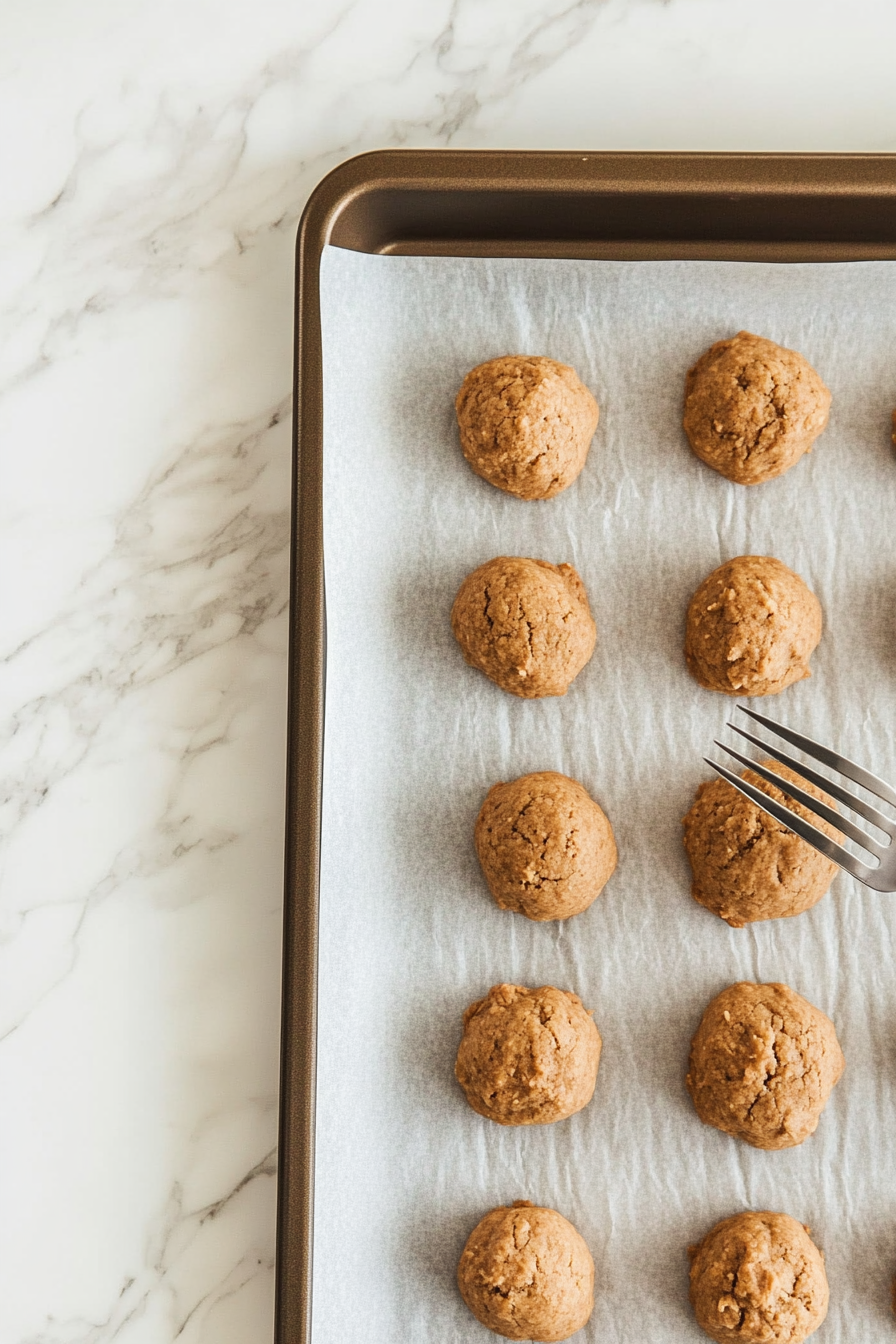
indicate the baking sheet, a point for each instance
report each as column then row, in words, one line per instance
column 414, row 738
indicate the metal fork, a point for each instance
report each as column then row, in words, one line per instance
column 881, row 877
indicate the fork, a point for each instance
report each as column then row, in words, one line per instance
column 881, row 877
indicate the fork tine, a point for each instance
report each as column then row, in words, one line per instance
column 814, row 805
column 836, row 853
column 827, row 757
column 829, row 785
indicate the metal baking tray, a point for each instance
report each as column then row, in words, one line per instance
column 611, row 206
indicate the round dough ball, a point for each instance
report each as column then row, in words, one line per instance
column 526, row 424
column 526, row 1273
column 752, row 408
column 546, row 848
column 763, row 1063
column 752, row 626
column 526, row 624
column 528, row 1056
column 746, row 865
column 758, row 1278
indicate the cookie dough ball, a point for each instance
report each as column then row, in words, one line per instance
column 526, row 624
column 528, row 1056
column 526, row 424
column 752, row 626
column 546, row 848
column 763, row 1063
column 746, row 865
column 758, row 1278
column 752, row 408
column 527, row 1274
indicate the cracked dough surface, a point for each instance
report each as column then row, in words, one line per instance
column 525, row 623
column 546, row 848
column 746, row 865
column 526, row 1273
column 752, row 408
column 763, row 1063
column 752, row 626
column 528, row 1056
column 758, row 1278
column 526, row 424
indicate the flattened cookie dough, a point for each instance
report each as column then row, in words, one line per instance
column 526, row 1273
column 758, row 1278
column 526, row 424
column 526, row 624
column 752, row 408
column 746, row 865
column 546, row 848
column 763, row 1063
column 752, row 626
column 528, row 1056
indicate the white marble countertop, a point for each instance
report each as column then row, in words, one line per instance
column 155, row 161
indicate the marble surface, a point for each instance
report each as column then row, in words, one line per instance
column 155, row 161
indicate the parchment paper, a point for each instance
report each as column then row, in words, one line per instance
column 414, row 738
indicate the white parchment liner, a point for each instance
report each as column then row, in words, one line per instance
column 409, row 934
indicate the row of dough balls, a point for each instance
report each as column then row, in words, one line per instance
column 762, row 1065
column 751, row 410
column 531, row 1056
column 756, row 1278
column 751, row 628
column 547, row 849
